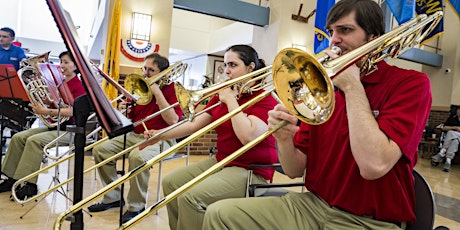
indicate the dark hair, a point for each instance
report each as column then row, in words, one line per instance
column 248, row 54
column 9, row 30
column 369, row 15
column 67, row 53
column 162, row 62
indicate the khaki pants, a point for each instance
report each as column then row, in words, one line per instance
column 138, row 185
column 187, row 211
column 25, row 151
column 292, row 211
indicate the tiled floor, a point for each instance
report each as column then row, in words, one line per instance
column 446, row 188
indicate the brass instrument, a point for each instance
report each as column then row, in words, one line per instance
column 37, row 88
column 162, row 79
column 139, row 86
column 289, row 68
column 188, row 99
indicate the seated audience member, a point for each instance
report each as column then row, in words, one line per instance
column 451, row 141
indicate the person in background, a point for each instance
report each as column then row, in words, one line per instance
column 187, row 211
column 358, row 165
column 9, row 53
column 162, row 98
column 25, row 152
column 450, row 142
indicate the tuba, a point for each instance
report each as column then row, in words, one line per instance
column 139, row 86
column 44, row 84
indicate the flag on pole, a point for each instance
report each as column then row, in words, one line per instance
column 429, row 7
column 455, row 4
column 112, row 54
column 403, row 10
column 321, row 36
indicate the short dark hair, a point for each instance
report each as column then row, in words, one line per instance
column 67, row 53
column 369, row 15
column 248, row 54
column 9, row 30
column 162, row 62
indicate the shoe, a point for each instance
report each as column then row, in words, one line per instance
column 446, row 167
column 129, row 215
column 99, row 207
column 436, row 158
column 7, row 184
column 27, row 190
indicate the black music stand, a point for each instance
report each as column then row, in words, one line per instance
column 112, row 121
column 13, row 102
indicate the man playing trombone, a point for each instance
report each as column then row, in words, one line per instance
column 162, row 98
column 358, row 165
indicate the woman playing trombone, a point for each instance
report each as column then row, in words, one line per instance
column 25, row 152
column 188, row 210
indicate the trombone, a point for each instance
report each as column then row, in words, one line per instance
column 163, row 78
column 304, row 86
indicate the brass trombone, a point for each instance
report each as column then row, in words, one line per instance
column 311, row 81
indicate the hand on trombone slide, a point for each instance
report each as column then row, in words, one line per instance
column 147, row 135
column 122, row 106
column 278, row 114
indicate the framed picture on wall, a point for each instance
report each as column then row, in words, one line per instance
column 219, row 71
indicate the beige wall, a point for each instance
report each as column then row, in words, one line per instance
column 161, row 11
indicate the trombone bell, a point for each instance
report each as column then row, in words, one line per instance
column 303, row 86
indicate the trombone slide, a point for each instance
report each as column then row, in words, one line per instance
column 147, row 165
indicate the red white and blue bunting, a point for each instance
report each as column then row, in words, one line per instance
column 137, row 50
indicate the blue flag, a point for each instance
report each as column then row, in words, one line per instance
column 455, row 4
column 403, row 10
column 429, row 7
column 321, row 35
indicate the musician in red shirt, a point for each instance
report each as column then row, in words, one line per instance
column 25, row 151
column 162, row 98
column 187, row 211
column 358, row 165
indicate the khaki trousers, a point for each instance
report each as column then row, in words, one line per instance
column 25, row 151
column 292, row 211
column 187, row 211
column 138, row 186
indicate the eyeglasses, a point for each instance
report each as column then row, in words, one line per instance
column 151, row 70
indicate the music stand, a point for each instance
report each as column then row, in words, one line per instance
column 112, row 121
column 13, row 101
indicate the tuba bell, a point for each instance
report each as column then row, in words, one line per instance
column 38, row 84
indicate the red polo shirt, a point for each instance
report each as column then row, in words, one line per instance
column 139, row 112
column 401, row 102
column 228, row 142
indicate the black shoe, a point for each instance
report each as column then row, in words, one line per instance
column 99, row 207
column 7, row 184
column 129, row 215
column 27, row 190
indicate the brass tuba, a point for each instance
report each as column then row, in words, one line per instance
column 38, row 85
column 139, row 86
